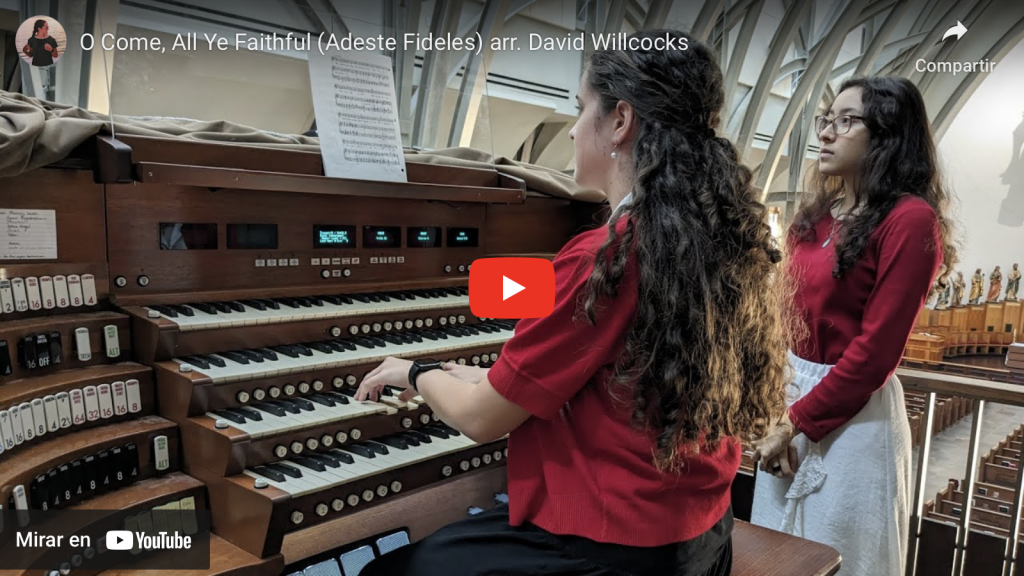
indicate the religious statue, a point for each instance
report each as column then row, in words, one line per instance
column 1012, row 284
column 995, row 286
column 977, row 287
column 959, row 284
column 940, row 288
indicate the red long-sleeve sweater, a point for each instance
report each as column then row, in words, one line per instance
column 862, row 321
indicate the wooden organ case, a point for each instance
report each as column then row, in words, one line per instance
column 249, row 295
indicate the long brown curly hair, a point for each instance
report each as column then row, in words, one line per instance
column 900, row 160
column 705, row 358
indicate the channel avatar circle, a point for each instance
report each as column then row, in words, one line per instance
column 40, row 41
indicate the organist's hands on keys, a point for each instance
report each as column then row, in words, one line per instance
column 475, row 409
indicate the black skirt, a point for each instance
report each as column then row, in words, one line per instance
column 486, row 545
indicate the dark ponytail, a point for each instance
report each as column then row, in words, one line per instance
column 706, row 356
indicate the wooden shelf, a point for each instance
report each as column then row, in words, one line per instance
column 63, row 449
column 422, row 511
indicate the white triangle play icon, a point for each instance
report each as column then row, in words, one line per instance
column 510, row 288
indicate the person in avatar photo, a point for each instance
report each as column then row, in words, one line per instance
column 41, row 47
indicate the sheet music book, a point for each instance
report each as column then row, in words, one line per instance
column 28, row 234
column 357, row 115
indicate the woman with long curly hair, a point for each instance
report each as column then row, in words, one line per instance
column 864, row 250
column 623, row 407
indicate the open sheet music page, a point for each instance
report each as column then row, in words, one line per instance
column 357, row 115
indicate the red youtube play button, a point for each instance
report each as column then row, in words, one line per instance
column 511, row 287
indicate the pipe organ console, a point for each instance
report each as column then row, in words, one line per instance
column 191, row 322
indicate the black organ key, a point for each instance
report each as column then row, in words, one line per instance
column 252, row 355
column 272, row 474
column 322, row 400
column 395, row 442
column 250, row 413
column 302, row 403
column 290, row 408
column 326, row 459
column 204, row 307
column 183, row 310
column 236, row 357
column 415, row 437
column 332, row 300
column 215, row 361
column 270, row 409
column 339, row 398
column 197, row 361
column 309, row 463
column 230, row 416
column 322, row 347
column 361, row 298
column 166, row 311
column 342, row 456
column 286, row 470
column 286, row 350
column 435, row 432
column 376, row 447
column 221, row 307
column 361, row 450
column 236, row 306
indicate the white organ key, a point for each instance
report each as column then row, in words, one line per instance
column 7, row 429
column 77, row 407
column 106, row 401
column 46, row 288
column 20, row 498
column 134, row 396
column 6, row 297
column 75, row 290
column 20, row 297
column 120, row 398
column 19, row 432
column 89, row 289
column 92, row 403
column 39, row 416
column 52, row 415
column 35, row 301
column 64, row 412
column 60, row 288
column 28, row 425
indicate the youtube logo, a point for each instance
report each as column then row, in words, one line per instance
column 511, row 287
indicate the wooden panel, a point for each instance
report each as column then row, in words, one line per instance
column 960, row 317
column 134, row 214
column 420, row 511
column 539, row 225
column 81, row 240
column 216, row 178
column 976, row 317
column 993, row 316
column 47, row 455
column 935, row 549
column 13, row 332
column 1011, row 317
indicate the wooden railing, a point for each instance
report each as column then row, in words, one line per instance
column 980, row 385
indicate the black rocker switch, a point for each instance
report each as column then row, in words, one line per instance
column 56, row 349
column 42, row 351
column 27, row 352
column 5, row 359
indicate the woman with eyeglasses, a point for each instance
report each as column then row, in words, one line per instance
column 864, row 249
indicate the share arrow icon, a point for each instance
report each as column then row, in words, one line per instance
column 959, row 30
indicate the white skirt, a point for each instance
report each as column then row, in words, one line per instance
column 852, row 490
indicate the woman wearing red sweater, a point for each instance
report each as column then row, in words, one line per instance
column 864, row 251
column 665, row 344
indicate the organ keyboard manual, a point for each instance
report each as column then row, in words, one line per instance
column 179, row 352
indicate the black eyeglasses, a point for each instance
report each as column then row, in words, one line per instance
column 841, row 124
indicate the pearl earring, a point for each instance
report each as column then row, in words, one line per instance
column 615, row 153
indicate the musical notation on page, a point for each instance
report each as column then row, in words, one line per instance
column 357, row 115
